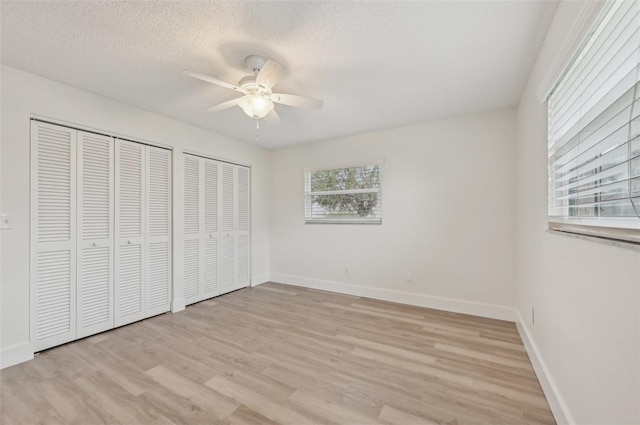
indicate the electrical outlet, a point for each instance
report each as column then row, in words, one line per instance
column 533, row 316
column 409, row 276
column 347, row 270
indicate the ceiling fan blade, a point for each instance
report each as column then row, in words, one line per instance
column 272, row 117
column 269, row 74
column 224, row 105
column 213, row 81
column 298, row 101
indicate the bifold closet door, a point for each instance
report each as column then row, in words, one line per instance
column 158, row 241
column 228, row 260
column 53, row 235
column 130, row 225
column 216, row 228
column 100, row 233
column 210, row 237
column 201, row 228
column 235, row 240
column 95, row 234
column 143, row 231
column 243, row 227
column 192, row 229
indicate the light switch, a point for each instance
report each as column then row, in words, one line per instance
column 7, row 221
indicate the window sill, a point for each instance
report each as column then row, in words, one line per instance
column 329, row 221
column 614, row 237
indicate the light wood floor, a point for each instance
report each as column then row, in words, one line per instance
column 283, row 354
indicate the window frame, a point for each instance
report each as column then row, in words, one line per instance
column 307, row 194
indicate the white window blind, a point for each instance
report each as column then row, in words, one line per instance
column 594, row 128
column 343, row 195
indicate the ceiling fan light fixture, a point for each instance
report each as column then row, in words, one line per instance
column 255, row 106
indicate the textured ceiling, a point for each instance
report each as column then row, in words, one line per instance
column 376, row 65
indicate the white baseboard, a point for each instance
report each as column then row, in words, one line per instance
column 177, row 305
column 557, row 404
column 448, row 304
column 259, row 279
column 15, row 354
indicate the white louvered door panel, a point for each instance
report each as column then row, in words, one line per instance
column 191, row 271
column 210, row 237
column 158, row 241
column 130, row 285
column 193, row 175
column 243, row 226
column 227, row 264
column 95, row 234
column 228, row 281
column 53, row 235
column 191, row 194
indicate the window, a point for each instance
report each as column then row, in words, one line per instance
column 594, row 131
column 343, row 195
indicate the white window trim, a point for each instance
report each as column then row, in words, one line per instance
column 335, row 166
column 346, row 164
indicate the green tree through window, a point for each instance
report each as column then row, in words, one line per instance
column 344, row 194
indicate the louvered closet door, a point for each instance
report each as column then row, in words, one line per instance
column 192, row 229
column 95, row 234
column 210, row 237
column 158, row 213
column 243, row 227
column 130, row 224
column 53, row 235
column 228, row 281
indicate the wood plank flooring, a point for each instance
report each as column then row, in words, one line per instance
column 277, row 354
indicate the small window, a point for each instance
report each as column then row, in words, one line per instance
column 594, row 131
column 343, row 195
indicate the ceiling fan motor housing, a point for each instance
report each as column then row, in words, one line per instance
column 255, row 62
column 247, row 81
column 249, row 84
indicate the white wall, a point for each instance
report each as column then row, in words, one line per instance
column 448, row 217
column 25, row 94
column 586, row 294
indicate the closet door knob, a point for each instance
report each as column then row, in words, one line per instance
column 95, row 244
column 129, row 241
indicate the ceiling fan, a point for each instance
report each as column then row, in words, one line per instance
column 258, row 99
